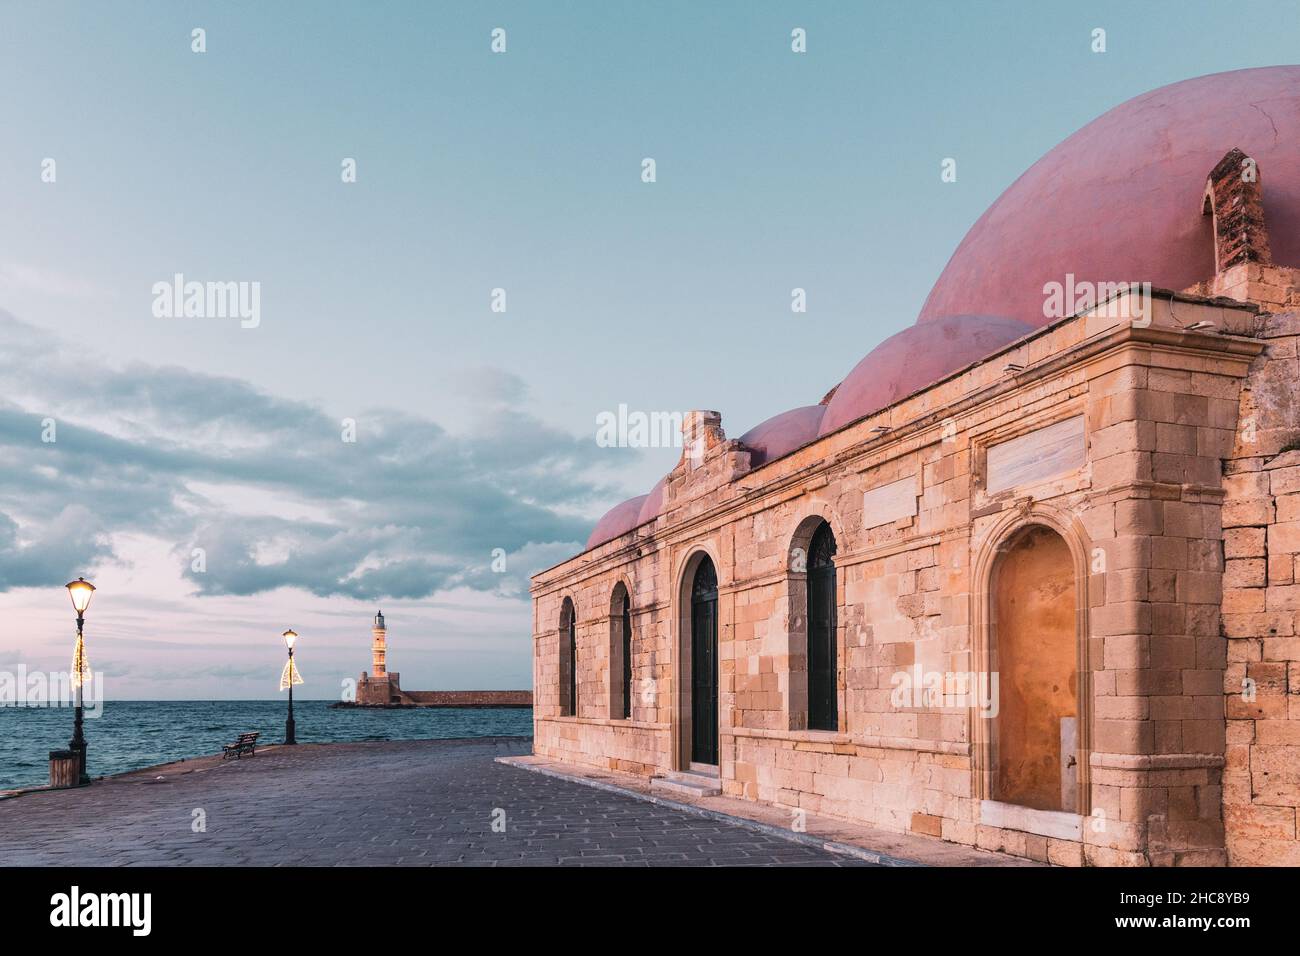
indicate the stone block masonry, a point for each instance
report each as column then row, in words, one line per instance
column 1261, row 612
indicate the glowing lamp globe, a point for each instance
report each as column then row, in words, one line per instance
column 81, row 592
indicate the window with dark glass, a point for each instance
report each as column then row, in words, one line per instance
column 568, row 660
column 627, row 657
column 704, row 664
column 823, row 707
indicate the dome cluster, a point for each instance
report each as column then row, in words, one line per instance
column 1118, row 201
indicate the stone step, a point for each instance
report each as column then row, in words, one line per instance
column 690, row 784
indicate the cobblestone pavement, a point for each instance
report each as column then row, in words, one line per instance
column 413, row 803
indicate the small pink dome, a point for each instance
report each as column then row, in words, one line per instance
column 914, row 358
column 1120, row 200
column 654, row 503
column 782, row 434
column 618, row 520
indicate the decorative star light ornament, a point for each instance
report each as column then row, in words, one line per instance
column 289, row 675
column 81, row 666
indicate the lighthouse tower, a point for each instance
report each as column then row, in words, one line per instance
column 379, row 646
column 381, row 687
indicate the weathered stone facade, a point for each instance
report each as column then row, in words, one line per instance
column 1148, row 436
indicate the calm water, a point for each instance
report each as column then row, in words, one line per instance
column 130, row 734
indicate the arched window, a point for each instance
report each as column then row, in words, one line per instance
column 823, row 708
column 620, row 653
column 568, row 660
column 627, row 657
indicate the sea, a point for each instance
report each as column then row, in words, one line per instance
column 130, row 734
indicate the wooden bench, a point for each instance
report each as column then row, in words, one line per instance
column 246, row 744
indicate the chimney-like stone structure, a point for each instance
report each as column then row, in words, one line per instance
column 701, row 431
column 710, row 461
column 1243, row 261
column 1235, row 198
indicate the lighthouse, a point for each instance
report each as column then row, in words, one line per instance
column 381, row 687
column 379, row 646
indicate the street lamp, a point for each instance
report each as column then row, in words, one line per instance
column 290, row 678
column 81, row 591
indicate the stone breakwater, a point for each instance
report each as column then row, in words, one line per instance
column 451, row 698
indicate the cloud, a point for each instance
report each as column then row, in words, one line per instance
column 490, row 386
column 17, row 276
column 266, row 487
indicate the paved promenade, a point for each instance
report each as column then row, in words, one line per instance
column 409, row 803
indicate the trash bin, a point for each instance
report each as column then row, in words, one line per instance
column 65, row 769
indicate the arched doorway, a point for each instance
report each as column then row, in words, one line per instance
column 823, row 709
column 1032, row 601
column 704, row 664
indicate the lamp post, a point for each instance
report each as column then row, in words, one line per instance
column 289, row 638
column 81, row 591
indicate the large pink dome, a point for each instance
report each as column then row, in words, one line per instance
column 653, row 504
column 914, row 358
column 1120, row 200
column 782, row 434
column 618, row 520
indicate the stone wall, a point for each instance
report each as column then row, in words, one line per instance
column 1261, row 605
column 379, row 691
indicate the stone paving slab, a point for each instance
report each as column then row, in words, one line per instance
column 380, row 803
column 880, row 847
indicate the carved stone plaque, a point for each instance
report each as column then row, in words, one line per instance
column 1042, row 453
column 889, row 503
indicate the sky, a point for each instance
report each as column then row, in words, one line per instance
column 198, row 471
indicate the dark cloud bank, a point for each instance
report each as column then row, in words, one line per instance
column 407, row 510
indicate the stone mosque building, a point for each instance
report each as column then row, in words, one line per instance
column 1026, row 579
